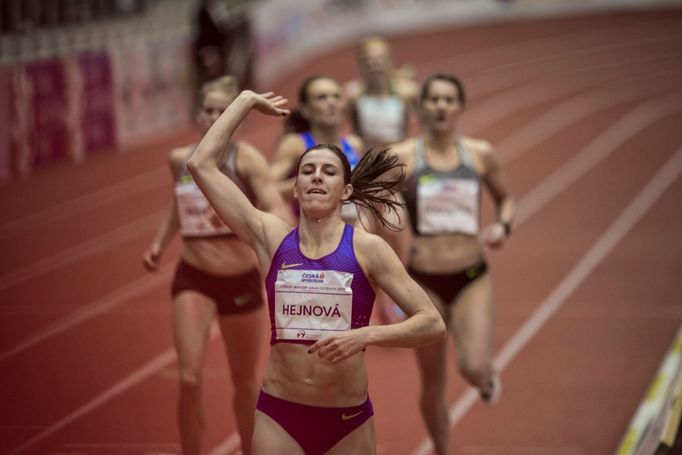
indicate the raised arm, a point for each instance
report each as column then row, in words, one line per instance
column 253, row 226
column 423, row 324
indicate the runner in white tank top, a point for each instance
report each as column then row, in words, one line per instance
column 383, row 100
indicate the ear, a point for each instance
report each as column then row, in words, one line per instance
column 347, row 191
column 295, row 192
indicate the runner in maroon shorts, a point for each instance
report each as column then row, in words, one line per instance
column 217, row 275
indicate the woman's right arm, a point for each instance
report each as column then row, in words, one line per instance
column 256, row 228
column 170, row 223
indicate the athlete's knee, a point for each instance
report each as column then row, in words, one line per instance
column 476, row 372
column 190, row 381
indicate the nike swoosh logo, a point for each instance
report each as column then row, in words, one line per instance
column 288, row 266
column 347, row 417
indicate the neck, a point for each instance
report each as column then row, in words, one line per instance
column 325, row 135
column 439, row 142
column 378, row 85
column 318, row 231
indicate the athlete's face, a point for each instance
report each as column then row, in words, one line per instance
column 320, row 186
column 375, row 59
column 441, row 107
column 325, row 105
column 214, row 103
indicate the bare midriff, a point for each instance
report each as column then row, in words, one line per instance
column 223, row 255
column 442, row 254
column 295, row 375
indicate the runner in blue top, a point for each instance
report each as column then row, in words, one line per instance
column 317, row 120
column 320, row 279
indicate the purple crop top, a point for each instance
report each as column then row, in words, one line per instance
column 309, row 298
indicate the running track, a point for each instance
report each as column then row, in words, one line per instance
column 586, row 115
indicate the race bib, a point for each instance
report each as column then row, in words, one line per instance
column 197, row 217
column 447, row 205
column 312, row 303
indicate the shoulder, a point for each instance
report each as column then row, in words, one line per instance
column 408, row 89
column 366, row 242
column 482, row 152
column 247, row 152
column 291, row 143
column 370, row 249
column 356, row 142
column 353, row 89
column 404, row 150
column 178, row 156
column 248, row 156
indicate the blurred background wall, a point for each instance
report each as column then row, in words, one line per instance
column 80, row 77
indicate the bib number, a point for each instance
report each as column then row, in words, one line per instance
column 312, row 303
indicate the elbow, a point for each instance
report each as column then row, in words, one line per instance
column 439, row 329
column 192, row 165
column 196, row 165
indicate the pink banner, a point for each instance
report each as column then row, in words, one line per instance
column 49, row 136
column 5, row 111
column 95, row 97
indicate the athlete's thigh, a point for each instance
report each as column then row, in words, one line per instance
column 361, row 441
column 473, row 316
column 193, row 313
column 270, row 438
column 243, row 335
column 431, row 358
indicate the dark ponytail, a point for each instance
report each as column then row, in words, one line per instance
column 375, row 185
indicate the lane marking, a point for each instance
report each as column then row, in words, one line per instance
column 149, row 369
column 95, row 245
column 110, row 301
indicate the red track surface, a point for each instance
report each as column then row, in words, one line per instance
column 585, row 112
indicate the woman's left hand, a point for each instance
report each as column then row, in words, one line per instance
column 336, row 348
column 493, row 236
column 267, row 103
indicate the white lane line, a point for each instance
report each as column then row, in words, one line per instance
column 149, row 369
column 110, row 301
column 596, row 151
column 556, row 46
column 75, row 253
column 228, row 446
column 535, row 92
column 601, row 248
column 90, row 201
column 574, row 109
